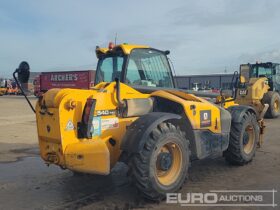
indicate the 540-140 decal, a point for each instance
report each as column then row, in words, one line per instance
column 105, row 112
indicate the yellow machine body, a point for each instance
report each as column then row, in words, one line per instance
column 249, row 93
column 61, row 114
column 253, row 93
column 60, row 110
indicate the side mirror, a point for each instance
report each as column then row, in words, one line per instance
column 23, row 72
column 167, row 52
column 242, row 79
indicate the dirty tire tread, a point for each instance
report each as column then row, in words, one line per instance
column 139, row 162
column 269, row 98
column 233, row 154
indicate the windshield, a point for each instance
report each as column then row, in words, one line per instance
column 144, row 67
column 262, row 71
column 148, row 67
column 109, row 68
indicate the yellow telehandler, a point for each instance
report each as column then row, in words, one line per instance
column 135, row 115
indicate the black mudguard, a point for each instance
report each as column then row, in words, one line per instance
column 237, row 112
column 139, row 130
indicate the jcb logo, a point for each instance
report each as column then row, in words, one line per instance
column 205, row 116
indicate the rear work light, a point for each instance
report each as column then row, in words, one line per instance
column 84, row 127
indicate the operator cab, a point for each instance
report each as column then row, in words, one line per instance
column 136, row 66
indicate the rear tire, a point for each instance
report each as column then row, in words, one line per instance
column 273, row 100
column 244, row 137
column 162, row 166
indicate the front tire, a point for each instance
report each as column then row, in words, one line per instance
column 244, row 137
column 273, row 100
column 162, row 166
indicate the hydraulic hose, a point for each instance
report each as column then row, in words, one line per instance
column 18, row 84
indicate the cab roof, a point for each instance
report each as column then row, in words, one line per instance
column 125, row 48
column 260, row 63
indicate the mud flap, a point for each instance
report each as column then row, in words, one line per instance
column 208, row 143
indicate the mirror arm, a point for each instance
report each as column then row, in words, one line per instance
column 118, row 93
column 14, row 75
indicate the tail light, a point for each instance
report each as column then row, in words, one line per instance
column 88, row 111
column 84, row 127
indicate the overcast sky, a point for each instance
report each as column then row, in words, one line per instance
column 204, row 36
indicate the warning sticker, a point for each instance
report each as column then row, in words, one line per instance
column 96, row 126
column 69, row 126
column 205, row 118
column 109, row 123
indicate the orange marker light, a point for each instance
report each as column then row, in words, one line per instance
column 111, row 45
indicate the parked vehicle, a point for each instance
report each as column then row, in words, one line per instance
column 36, row 85
column 272, row 72
column 3, row 87
column 63, row 79
column 135, row 114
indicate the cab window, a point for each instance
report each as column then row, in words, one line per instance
column 110, row 68
column 260, row 71
column 148, row 67
column 277, row 77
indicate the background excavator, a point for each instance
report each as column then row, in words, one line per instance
column 135, row 115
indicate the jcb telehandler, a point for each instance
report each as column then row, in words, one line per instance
column 135, row 115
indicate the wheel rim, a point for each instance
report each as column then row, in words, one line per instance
column 248, row 139
column 276, row 105
column 168, row 163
